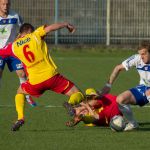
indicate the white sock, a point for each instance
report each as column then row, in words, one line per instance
column 27, row 97
column 127, row 112
column 22, row 80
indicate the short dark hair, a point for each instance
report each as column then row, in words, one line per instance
column 26, row 27
column 144, row 45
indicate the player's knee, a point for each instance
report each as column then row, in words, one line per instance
column 21, row 73
column 120, row 99
column 19, row 91
column 73, row 90
column 147, row 92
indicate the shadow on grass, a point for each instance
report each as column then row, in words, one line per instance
column 144, row 126
column 47, row 130
column 69, row 129
column 144, row 123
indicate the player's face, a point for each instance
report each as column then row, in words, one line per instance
column 4, row 6
column 145, row 55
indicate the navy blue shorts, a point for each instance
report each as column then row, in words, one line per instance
column 139, row 94
column 12, row 63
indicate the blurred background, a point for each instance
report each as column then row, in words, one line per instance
column 107, row 22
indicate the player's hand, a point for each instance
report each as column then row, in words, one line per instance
column 70, row 123
column 71, row 28
column 74, row 121
column 105, row 90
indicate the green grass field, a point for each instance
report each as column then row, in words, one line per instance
column 45, row 126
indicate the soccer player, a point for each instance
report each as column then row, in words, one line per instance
column 139, row 95
column 32, row 50
column 9, row 22
column 96, row 111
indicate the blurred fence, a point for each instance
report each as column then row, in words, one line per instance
column 97, row 21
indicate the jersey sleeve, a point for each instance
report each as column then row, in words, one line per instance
column 40, row 31
column 20, row 20
column 130, row 62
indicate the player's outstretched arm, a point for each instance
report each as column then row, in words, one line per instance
column 106, row 89
column 57, row 26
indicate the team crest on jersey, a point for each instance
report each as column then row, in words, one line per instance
column 3, row 31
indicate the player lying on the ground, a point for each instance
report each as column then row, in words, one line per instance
column 95, row 111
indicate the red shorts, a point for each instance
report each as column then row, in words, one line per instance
column 57, row 83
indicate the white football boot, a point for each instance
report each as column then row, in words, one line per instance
column 131, row 126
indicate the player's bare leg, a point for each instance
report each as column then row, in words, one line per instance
column 73, row 90
column 22, row 78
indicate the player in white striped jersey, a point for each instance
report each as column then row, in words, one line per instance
column 8, row 27
column 9, row 22
column 139, row 95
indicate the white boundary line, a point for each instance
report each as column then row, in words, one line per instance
column 7, row 106
column 59, row 106
column 46, row 106
column 78, row 57
column 50, row 106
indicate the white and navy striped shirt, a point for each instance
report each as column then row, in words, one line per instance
column 8, row 28
column 142, row 68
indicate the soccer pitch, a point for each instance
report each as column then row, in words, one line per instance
column 45, row 128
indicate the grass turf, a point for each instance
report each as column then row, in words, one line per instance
column 45, row 126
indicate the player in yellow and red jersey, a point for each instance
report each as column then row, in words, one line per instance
column 42, row 72
column 96, row 111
